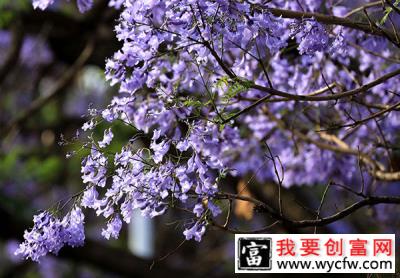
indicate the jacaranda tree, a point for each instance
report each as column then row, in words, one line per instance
column 220, row 92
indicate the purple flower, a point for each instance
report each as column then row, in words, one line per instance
column 73, row 233
column 160, row 149
column 312, row 37
column 113, row 228
column 109, row 115
column 89, row 125
column 198, row 209
column 89, row 197
column 183, row 145
column 94, row 168
column 156, row 134
column 108, row 136
column 196, row 231
column 215, row 210
column 41, row 4
column 116, row 3
column 84, row 5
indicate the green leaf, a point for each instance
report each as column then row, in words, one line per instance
column 388, row 10
column 193, row 103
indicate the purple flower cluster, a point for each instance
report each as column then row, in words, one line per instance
column 49, row 234
column 312, row 37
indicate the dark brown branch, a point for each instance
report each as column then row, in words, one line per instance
column 365, row 6
column 236, row 231
column 333, row 20
column 366, row 119
column 368, row 201
column 293, row 97
column 337, row 96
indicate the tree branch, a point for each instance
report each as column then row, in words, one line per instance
column 367, row 201
column 332, row 20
